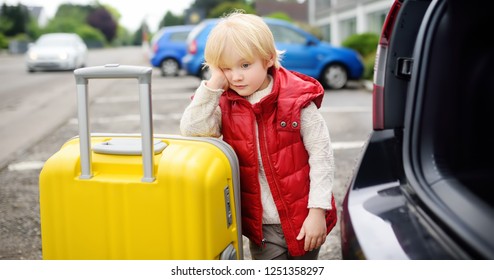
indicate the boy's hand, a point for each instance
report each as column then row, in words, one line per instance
column 218, row 79
column 314, row 229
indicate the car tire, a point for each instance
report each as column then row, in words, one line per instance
column 169, row 68
column 334, row 76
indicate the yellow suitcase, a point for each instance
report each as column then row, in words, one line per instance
column 112, row 197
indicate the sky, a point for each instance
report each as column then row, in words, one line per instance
column 132, row 12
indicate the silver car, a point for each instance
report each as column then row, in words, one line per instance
column 56, row 51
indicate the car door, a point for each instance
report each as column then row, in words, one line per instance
column 422, row 188
column 448, row 158
column 299, row 52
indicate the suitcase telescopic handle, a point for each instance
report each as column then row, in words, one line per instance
column 115, row 71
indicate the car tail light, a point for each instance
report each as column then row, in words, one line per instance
column 193, row 47
column 155, row 47
column 380, row 67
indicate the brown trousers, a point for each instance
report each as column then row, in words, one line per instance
column 275, row 247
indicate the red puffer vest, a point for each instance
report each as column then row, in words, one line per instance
column 284, row 157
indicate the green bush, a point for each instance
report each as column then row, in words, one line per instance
column 91, row 36
column 228, row 7
column 280, row 15
column 90, row 33
column 4, row 43
column 366, row 45
column 369, row 61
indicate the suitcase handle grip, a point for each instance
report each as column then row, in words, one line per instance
column 116, row 71
column 113, row 71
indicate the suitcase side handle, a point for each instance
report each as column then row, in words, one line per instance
column 115, row 71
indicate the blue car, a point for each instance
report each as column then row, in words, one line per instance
column 304, row 53
column 169, row 47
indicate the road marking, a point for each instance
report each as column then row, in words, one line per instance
column 347, row 145
column 346, row 109
column 26, row 165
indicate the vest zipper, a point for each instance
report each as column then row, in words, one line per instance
column 268, row 158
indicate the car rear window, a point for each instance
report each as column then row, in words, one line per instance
column 179, row 36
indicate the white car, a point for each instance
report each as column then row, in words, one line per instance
column 57, row 51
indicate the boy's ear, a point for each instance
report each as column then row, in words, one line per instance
column 269, row 62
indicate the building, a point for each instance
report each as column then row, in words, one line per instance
column 339, row 19
column 38, row 14
column 296, row 9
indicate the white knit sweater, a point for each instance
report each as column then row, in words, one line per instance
column 203, row 118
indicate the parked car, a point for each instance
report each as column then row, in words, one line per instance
column 169, row 47
column 423, row 185
column 56, row 51
column 332, row 66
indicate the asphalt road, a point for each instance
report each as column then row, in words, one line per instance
column 114, row 109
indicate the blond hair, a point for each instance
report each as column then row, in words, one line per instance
column 247, row 34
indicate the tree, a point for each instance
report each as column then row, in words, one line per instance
column 91, row 36
column 138, row 35
column 228, row 7
column 209, row 5
column 115, row 14
column 77, row 13
column 123, row 38
column 68, row 18
column 101, row 19
column 170, row 19
column 14, row 19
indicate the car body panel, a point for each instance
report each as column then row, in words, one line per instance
column 56, row 51
column 303, row 52
column 193, row 62
column 379, row 220
column 169, row 43
column 422, row 187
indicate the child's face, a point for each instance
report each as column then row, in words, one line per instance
column 246, row 77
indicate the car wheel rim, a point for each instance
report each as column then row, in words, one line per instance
column 335, row 77
column 169, row 67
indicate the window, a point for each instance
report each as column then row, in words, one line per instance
column 326, row 32
column 179, row 36
column 375, row 21
column 286, row 35
column 348, row 27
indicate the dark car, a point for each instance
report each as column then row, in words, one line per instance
column 169, row 47
column 424, row 184
column 304, row 53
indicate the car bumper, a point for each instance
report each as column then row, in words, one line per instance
column 191, row 66
column 50, row 65
column 379, row 220
column 372, row 235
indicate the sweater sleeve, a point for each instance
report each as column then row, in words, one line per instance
column 202, row 117
column 317, row 141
